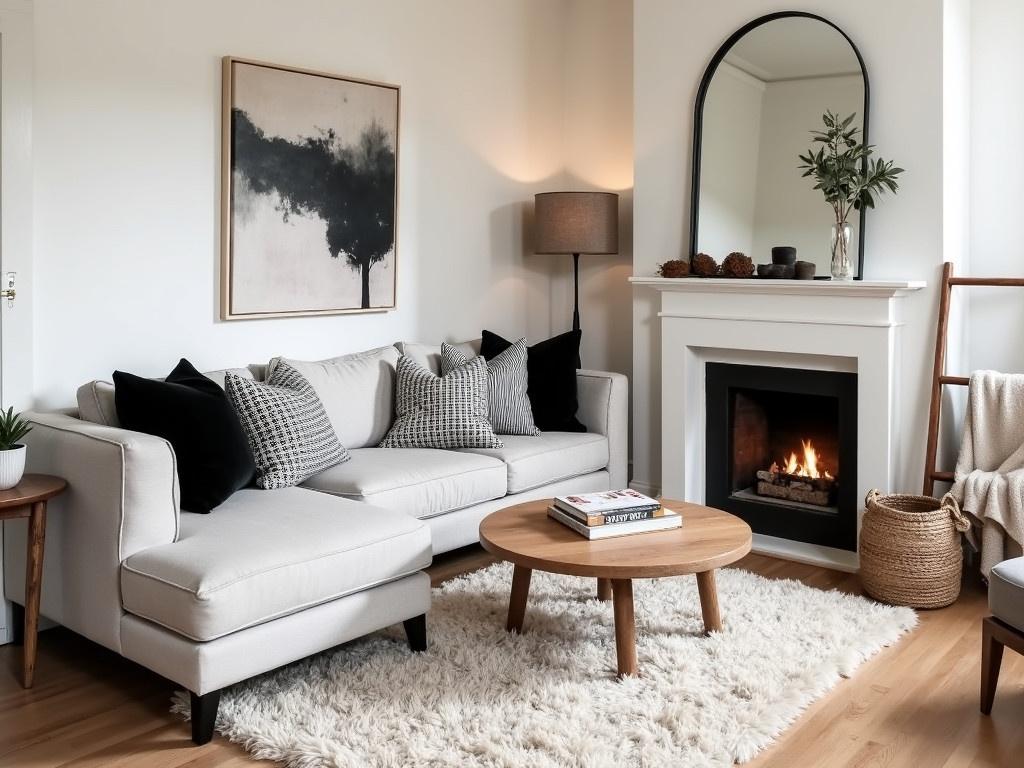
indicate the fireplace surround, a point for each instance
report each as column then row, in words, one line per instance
column 807, row 326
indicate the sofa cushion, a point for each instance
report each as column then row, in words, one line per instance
column 193, row 414
column 508, row 405
column 421, row 482
column 96, row 398
column 548, row 457
column 551, row 370
column 1006, row 592
column 358, row 392
column 447, row 411
column 287, row 427
column 266, row 554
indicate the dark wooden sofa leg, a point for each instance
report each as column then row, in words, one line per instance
column 991, row 659
column 416, row 631
column 204, row 716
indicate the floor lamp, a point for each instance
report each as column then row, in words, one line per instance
column 576, row 222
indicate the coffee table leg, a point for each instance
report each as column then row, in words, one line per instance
column 517, row 600
column 604, row 589
column 625, row 626
column 709, row 601
column 33, row 584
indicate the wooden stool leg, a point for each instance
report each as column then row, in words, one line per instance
column 625, row 626
column 33, row 584
column 517, row 600
column 991, row 660
column 709, row 601
column 604, row 589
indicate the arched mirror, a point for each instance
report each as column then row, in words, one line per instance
column 763, row 93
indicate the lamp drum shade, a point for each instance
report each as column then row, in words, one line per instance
column 576, row 222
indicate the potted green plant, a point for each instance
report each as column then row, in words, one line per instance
column 848, row 176
column 12, row 453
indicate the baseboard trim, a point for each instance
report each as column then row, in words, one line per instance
column 812, row 554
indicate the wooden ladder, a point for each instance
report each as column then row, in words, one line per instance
column 931, row 471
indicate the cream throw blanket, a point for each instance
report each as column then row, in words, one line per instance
column 989, row 478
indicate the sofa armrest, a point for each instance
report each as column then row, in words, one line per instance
column 604, row 409
column 122, row 497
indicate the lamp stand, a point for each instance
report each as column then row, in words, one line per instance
column 576, row 291
column 576, row 300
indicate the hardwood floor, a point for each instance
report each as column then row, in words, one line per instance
column 913, row 705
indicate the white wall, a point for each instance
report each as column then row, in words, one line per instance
column 729, row 157
column 997, row 195
column 598, row 155
column 789, row 211
column 902, row 44
column 127, row 99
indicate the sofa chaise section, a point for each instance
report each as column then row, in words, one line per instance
column 209, row 600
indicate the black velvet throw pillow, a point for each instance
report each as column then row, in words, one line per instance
column 193, row 414
column 551, row 373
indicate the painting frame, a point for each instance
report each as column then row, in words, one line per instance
column 228, row 310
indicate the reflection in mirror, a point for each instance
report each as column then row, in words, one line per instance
column 766, row 95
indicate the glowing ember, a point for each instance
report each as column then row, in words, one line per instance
column 809, row 467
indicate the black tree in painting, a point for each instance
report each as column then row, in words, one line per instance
column 351, row 188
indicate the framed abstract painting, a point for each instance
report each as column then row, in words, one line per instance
column 309, row 196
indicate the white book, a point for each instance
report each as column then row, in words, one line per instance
column 606, row 501
column 668, row 521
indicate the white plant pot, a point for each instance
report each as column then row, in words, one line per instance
column 12, row 467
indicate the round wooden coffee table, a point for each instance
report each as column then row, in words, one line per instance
column 525, row 536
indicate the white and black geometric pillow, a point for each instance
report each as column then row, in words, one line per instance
column 508, row 404
column 288, row 429
column 441, row 411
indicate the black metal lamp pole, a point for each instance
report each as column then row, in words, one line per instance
column 576, row 291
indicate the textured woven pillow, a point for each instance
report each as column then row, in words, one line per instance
column 441, row 411
column 508, row 405
column 288, row 429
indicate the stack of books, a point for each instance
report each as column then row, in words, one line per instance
column 613, row 513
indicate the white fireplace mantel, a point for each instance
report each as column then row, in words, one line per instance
column 817, row 325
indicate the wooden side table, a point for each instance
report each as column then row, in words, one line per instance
column 28, row 499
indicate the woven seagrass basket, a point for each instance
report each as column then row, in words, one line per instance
column 910, row 549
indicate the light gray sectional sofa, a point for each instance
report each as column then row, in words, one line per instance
column 272, row 576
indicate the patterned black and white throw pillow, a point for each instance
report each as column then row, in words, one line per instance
column 507, row 402
column 441, row 411
column 288, row 429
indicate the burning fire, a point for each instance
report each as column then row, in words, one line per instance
column 809, row 467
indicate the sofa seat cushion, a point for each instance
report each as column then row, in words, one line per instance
column 421, row 482
column 548, row 457
column 1006, row 592
column 266, row 554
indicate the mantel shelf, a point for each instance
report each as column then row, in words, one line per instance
column 858, row 288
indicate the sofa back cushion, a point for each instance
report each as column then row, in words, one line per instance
column 429, row 355
column 96, row 398
column 357, row 391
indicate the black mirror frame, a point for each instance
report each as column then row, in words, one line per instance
column 698, row 118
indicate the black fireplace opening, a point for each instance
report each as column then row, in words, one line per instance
column 782, row 451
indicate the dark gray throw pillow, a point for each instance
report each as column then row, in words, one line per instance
column 441, row 411
column 508, row 405
column 288, row 429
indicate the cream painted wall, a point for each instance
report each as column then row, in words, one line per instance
column 598, row 154
column 902, row 44
column 127, row 98
column 996, row 316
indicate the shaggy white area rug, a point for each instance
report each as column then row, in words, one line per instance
column 481, row 697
